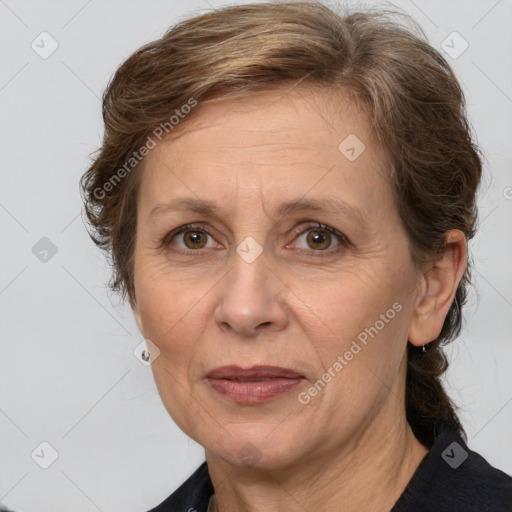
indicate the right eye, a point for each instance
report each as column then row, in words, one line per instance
column 190, row 238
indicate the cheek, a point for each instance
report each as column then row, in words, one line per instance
column 363, row 321
column 342, row 307
column 172, row 312
column 174, row 319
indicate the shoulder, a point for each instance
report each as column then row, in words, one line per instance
column 192, row 496
column 454, row 478
column 479, row 485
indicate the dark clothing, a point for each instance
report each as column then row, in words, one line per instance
column 450, row 478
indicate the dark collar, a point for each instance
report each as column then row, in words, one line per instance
column 450, row 478
column 453, row 478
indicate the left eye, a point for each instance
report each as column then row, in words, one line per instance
column 319, row 238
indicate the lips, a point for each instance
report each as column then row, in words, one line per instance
column 254, row 373
column 253, row 385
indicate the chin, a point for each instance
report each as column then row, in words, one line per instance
column 257, row 447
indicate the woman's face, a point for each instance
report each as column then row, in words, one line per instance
column 294, row 257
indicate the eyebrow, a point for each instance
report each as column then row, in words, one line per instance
column 327, row 205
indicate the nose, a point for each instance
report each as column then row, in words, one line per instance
column 251, row 299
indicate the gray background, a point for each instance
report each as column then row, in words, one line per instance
column 67, row 369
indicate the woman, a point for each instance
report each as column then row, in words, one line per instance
column 287, row 194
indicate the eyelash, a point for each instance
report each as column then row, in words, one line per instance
column 297, row 232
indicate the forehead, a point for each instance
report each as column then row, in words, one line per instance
column 265, row 121
column 272, row 144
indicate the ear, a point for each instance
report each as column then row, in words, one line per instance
column 439, row 285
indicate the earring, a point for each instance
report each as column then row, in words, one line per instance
column 145, row 355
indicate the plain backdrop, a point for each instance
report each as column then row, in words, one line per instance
column 68, row 376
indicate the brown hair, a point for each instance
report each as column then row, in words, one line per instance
column 408, row 90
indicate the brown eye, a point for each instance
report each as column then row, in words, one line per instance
column 194, row 239
column 190, row 237
column 319, row 240
column 320, row 237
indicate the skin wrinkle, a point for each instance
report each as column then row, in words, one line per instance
column 328, row 206
column 282, row 309
column 287, row 308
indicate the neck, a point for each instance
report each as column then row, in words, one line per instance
column 369, row 474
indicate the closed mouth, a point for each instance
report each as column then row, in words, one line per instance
column 258, row 373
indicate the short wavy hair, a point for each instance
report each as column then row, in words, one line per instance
column 381, row 59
